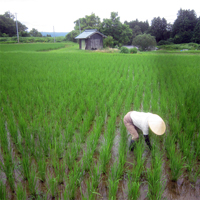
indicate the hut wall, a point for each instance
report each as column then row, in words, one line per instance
column 94, row 42
column 80, row 44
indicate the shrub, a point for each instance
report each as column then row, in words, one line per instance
column 144, row 42
column 133, row 50
column 164, row 42
column 124, row 50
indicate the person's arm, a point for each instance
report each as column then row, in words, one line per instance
column 146, row 137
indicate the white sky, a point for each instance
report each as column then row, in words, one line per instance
column 44, row 14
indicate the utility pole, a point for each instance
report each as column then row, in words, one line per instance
column 17, row 28
column 54, row 34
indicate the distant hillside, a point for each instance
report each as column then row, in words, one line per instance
column 57, row 34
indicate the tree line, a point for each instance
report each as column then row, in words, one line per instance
column 185, row 29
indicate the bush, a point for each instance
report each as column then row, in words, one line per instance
column 108, row 42
column 145, row 42
column 133, row 50
column 124, row 50
column 164, row 42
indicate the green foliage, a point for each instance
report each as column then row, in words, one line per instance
column 124, row 50
column 133, row 50
column 160, row 29
column 35, row 33
column 137, row 27
column 184, row 25
column 196, row 33
column 121, row 33
column 144, row 42
column 30, row 39
column 88, row 22
column 189, row 46
column 2, row 191
column 71, row 35
column 8, row 25
column 164, row 42
column 31, row 47
column 108, row 42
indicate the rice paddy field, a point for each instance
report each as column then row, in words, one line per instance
column 61, row 124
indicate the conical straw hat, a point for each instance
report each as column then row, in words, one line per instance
column 156, row 124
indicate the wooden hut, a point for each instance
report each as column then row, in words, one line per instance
column 90, row 40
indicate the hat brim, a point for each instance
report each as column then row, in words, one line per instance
column 156, row 124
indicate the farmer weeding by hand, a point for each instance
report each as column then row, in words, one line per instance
column 135, row 121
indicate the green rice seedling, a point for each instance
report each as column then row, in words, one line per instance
column 194, row 175
column 113, row 181
column 87, row 160
column 13, row 130
column 176, row 164
column 185, row 144
column 32, row 179
column 122, row 151
column 155, row 184
column 3, row 195
column 70, row 190
column 22, row 125
column 52, row 185
column 122, row 161
column 169, row 139
column 197, row 146
column 190, row 161
column 69, row 160
column 26, row 163
column 90, row 193
column 31, row 144
column 105, row 155
column 44, row 140
column 8, row 168
column 41, row 161
column 20, row 192
column 139, row 150
column 69, row 132
column 73, row 181
column 95, row 175
column 59, row 167
column 59, row 146
column 133, row 187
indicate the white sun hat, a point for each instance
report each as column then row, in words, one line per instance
column 156, row 124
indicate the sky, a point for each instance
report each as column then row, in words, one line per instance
column 61, row 14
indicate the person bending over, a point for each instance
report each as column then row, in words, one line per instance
column 135, row 121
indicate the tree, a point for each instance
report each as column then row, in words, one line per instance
column 137, row 27
column 144, row 42
column 121, row 33
column 35, row 33
column 136, row 31
column 71, row 35
column 8, row 25
column 24, row 34
column 9, row 15
column 144, row 26
column 88, row 22
column 160, row 29
column 196, row 33
column 184, row 25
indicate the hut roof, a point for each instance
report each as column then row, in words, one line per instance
column 87, row 33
